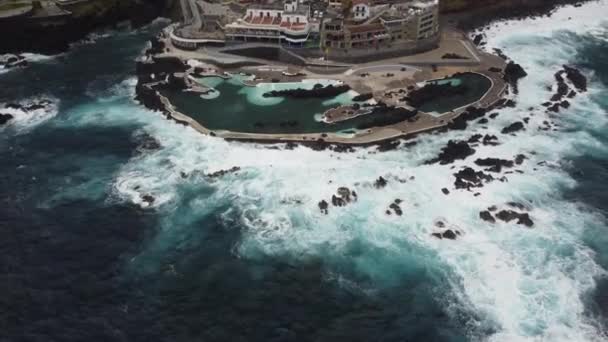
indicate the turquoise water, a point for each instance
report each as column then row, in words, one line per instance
column 240, row 108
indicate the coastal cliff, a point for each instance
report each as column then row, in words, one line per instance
column 50, row 28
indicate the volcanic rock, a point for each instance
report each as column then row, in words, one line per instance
column 495, row 164
column 380, row 183
column 453, row 151
column 396, row 209
column 148, row 199
column 487, row 216
column 323, row 205
column 337, row 201
column 514, row 127
column 475, row 138
column 510, row 215
column 4, row 118
column 514, row 72
column 221, row 173
column 388, row 145
column 577, row 78
column 469, row 178
column 478, row 39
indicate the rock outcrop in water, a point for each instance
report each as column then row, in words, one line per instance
column 468, row 178
column 380, row 183
column 221, row 173
column 487, row 216
column 448, row 234
column 494, row 164
column 513, row 73
column 343, row 197
column 510, row 215
column 318, row 91
column 471, row 113
column 4, row 118
column 577, row 78
column 512, row 128
column 452, row 151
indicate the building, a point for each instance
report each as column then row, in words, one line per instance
column 287, row 23
column 365, row 28
column 381, row 26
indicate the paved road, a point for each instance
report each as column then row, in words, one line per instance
column 380, row 68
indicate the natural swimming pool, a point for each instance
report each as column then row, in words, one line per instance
column 475, row 86
column 235, row 107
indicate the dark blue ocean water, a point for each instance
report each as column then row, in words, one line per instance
column 79, row 263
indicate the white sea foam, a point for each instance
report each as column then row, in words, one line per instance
column 24, row 120
column 524, row 284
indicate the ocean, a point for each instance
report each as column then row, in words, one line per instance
column 107, row 236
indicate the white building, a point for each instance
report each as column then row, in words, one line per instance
column 360, row 9
column 287, row 23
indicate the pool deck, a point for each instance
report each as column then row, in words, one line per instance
column 379, row 77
